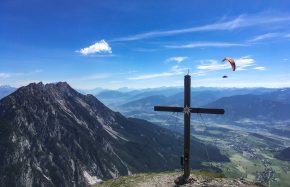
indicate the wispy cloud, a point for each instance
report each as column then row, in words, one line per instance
column 269, row 36
column 94, row 77
column 146, row 50
column 214, row 65
column 244, row 62
column 264, row 36
column 198, row 73
column 99, row 47
column 5, row 75
column 239, row 22
column 205, row 44
column 175, row 70
column 259, row 68
column 177, row 59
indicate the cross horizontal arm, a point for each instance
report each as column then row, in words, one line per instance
column 207, row 110
column 168, row 108
column 192, row 110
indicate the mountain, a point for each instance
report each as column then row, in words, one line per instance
column 6, row 90
column 144, row 107
column 124, row 95
column 113, row 98
column 280, row 95
column 166, row 179
column 124, row 89
column 108, row 94
column 144, row 104
column 124, row 100
column 51, row 135
column 284, row 154
column 91, row 91
column 252, row 106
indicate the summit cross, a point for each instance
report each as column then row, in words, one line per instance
column 187, row 110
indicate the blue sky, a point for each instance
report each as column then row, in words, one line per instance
column 141, row 44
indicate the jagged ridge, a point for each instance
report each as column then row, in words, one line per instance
column 52, row 135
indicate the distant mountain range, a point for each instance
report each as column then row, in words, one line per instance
column 280, row 95
column 51, row 135
column 252, row 107
column 252, row 103
column 6, row 90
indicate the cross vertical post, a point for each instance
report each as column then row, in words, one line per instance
column 186, row 153
column 187, row 110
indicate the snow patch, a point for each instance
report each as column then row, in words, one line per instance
column 91, row 179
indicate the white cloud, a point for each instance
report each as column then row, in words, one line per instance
column 205, row 44
column 269, row 36
column 151, row 76
column 177, row 59
column 213, row 65
column 99, row 47
column 5, row 75
column 264, row 36
column 175, row 70
column 239, row 22
column 92, row 77
column 259, row 68
column 198, row 73
column 244, row 62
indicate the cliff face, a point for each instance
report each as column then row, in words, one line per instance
column 51, row 135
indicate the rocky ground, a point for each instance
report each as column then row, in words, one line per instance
column 197, row 179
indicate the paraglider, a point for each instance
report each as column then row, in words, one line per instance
column 231, row 61
column 225, row 76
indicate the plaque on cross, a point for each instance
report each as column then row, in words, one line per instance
column 187, row 110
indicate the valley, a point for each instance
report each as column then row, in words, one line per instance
column 251, row 140
column 144, row 93
column 251, row 157
column 251, row 150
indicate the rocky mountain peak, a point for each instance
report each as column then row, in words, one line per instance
column 51, row 135
column 34, row 88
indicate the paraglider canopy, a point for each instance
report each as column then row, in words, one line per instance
column 232, row 62
column 225, row 76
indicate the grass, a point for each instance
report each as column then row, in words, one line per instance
column 132, row 180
